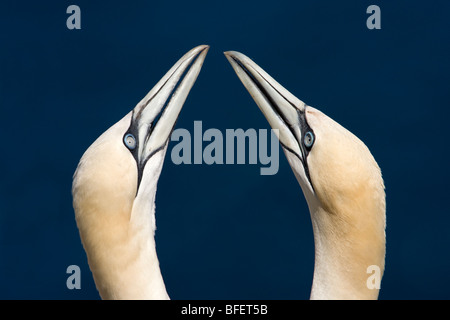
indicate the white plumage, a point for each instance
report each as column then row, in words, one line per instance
column 114, row 188
column 340, row 180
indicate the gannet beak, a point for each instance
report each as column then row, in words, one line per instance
column 154, row 117
column 282, row 109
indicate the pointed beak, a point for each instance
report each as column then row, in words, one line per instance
column 282, row 109
column 154, row 117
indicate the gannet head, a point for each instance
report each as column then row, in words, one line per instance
column 115, row 182
column 339, row 177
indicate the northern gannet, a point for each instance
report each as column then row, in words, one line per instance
column 114, row 188
column 340, row 180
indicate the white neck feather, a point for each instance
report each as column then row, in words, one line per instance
column 118, row 235
column 348, row 220
column 123, row 258
column 342, row 258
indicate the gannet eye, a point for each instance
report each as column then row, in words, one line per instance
column 308, row 140
column 130, row 141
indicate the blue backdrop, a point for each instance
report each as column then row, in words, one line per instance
column 230, row 233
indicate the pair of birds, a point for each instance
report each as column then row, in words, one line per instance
column 114, row 187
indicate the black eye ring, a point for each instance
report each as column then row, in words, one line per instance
column 308, row 139
column 130, row 141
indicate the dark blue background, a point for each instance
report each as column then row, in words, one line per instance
column 224, row 231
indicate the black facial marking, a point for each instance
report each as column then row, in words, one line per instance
column 133, row 129
column 305, row 151
column 301, row 117
column 137, row 115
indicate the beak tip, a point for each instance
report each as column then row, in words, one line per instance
column 232, row 57
column 200, row 50
column 231, row 54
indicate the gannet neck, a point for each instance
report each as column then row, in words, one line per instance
column 117, row 225
column 345, row 252
column 121, row 251
column 132, row 270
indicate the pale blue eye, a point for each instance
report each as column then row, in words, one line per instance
column 130, row 141
column 308, row 140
